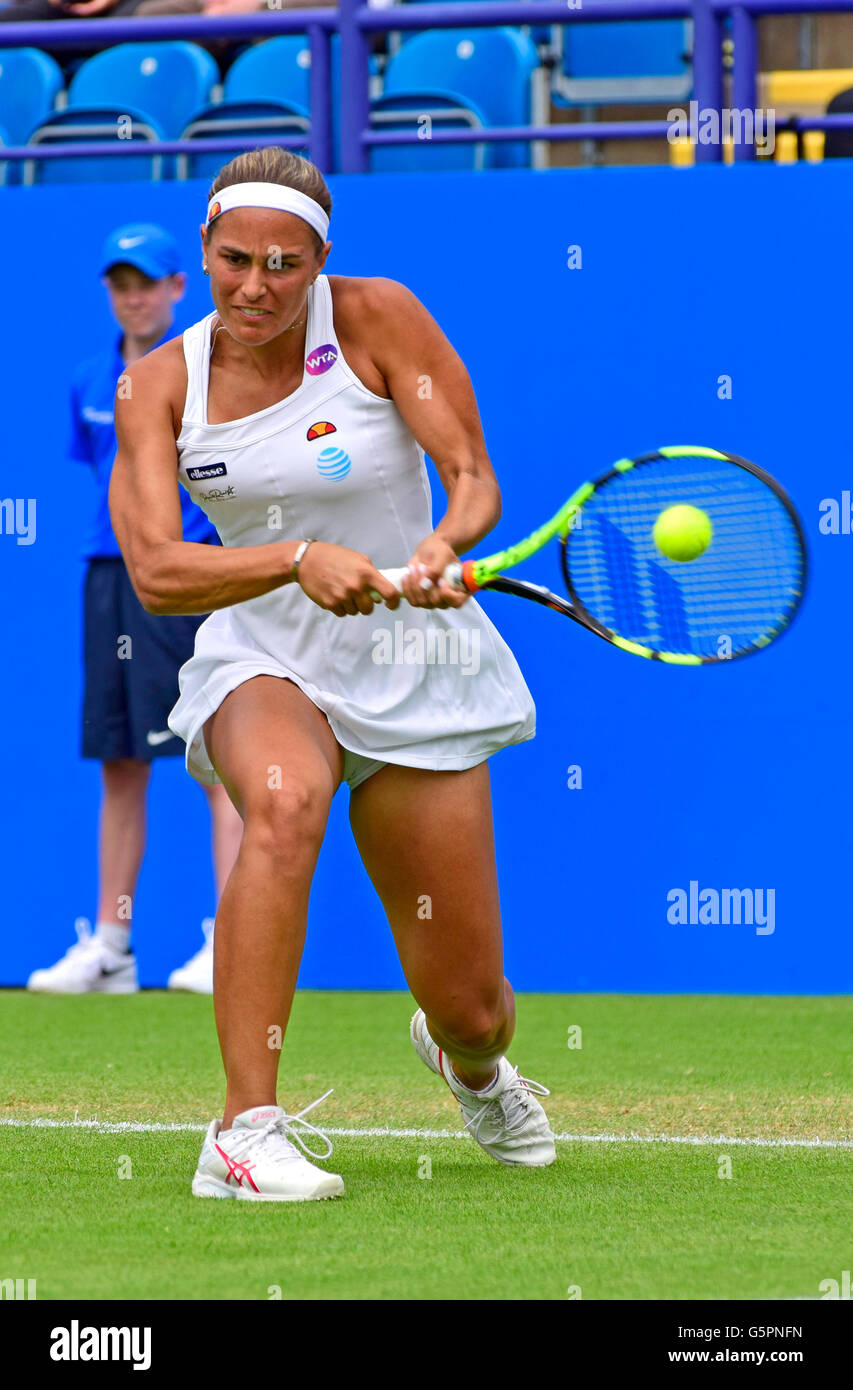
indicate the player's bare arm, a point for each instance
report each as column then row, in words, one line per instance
column 432, row 390
column 171, row 575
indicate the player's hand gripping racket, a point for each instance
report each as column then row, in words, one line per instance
column 739, row 593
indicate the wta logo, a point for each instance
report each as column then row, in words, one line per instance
column 321, row 359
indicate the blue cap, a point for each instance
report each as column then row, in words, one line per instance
column 143, row 244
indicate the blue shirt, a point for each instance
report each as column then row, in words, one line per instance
column 93, row 442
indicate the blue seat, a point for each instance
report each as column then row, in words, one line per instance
column 628, row 61
column 30, row 82
column 489, row 68
column 276, row 70
column 170, row 81
column 4, row 163
column 541, row 34
column 260, row 119
column 280, row 70
column 95, row 123
column 447, row 111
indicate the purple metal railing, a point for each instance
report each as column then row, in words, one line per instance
column 355, row 22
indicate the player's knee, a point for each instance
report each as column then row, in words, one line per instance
column 287, row 821
column 482, row 1030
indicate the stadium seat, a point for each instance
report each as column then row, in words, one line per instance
column 541, row 34
column 30, row 82
column 169, row 81
column 262, row 119
column 276, row 70
column 631, row 61
column 279, row 70
column 95, row 123
column 406, row 111
column 490, row 69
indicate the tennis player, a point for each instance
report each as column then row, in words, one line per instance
column 297, row 414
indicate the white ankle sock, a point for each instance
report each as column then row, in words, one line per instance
column 485, row 1090
column 114, row 936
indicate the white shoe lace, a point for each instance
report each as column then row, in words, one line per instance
column 284, row 1126
column 85, row 942
column 513, row 1103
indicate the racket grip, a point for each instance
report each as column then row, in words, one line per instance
column 452, row 575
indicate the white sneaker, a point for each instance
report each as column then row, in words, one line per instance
column 256, row 1162
column 507, row 1120
column 197, row 975
column 90, row 967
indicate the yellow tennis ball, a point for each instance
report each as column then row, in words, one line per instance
column 683, row 533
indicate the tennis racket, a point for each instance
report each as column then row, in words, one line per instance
column 737, row 597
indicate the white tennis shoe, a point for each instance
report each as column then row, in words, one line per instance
column 197, row 975
column 507, row 1119
column 89, row 967
column 255, row 1160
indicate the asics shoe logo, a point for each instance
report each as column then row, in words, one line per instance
column 238, row 1171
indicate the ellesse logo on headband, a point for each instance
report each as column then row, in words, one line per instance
column 320, row 428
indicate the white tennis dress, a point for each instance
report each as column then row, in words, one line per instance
column 430, row 688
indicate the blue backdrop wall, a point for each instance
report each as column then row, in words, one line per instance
column 731, row 777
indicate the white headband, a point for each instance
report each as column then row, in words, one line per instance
column 269, row 195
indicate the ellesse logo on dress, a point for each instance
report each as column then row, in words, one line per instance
column 320, row 428
column 209, row 470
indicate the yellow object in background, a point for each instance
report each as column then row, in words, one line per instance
column 786, row 147
column 682, row 153
column 805, row 93
column 813, row 145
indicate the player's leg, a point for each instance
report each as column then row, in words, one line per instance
column 121, row 840
column 226, row 830
column 102, row 962
column 161, row 646
column 426, row 841
column 281, row 765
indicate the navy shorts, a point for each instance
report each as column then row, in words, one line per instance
column 131, row 663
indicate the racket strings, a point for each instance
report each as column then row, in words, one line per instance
column 736, row 595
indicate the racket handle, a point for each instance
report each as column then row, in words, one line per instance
column 452, row 574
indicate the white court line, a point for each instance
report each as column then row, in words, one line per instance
column 139, row 1127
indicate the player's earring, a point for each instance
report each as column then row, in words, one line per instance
column 205, row 269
